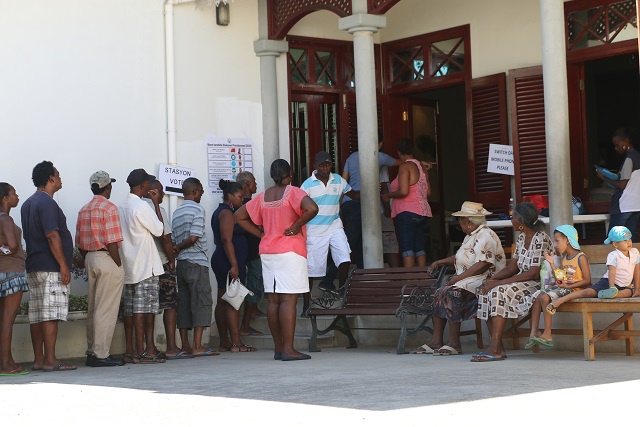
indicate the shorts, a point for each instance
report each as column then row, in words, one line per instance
column 48, row 297
column 254, row 280
column 195, row 302
column 142, row 297
column 318, row 249
column 603, row 284
column 554, row 292
column 10, row 283
column 410, row 228
column 168, row 296
column 389, row 238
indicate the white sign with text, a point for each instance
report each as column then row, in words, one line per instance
column 500, row 159
column 172, row 176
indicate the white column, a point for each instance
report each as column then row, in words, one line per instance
column 363, row 26
column 268, row 50
column 556, row 110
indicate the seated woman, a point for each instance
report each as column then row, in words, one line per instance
column 480, row 257
column 498, row 302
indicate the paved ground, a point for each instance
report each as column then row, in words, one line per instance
column 338, row 386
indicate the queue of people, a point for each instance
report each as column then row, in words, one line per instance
column 275, row 243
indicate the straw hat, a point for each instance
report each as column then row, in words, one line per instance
column 472, row 209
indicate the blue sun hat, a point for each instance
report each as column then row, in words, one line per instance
column 618, row 234
column 570, row 233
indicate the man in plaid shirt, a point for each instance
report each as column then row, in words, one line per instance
column 98, row 236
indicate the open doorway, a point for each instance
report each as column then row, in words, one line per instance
column 441, row 114
column 612, row 100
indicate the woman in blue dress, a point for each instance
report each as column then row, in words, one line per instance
column 229, row 260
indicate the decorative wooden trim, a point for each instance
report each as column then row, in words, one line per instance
column 380, row 7
column 284, row 14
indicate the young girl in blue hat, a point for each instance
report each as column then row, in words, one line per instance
column 574, row 275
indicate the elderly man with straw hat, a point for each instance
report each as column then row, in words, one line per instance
column 480, row 257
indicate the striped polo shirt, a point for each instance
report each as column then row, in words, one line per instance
column 189, row 220
column 328, row 200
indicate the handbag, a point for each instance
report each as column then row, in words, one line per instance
column 235, row 293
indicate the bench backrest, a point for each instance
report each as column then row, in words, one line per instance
column 382, row 287
column 597, row 254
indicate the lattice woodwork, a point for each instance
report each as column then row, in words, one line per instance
column 284, row 14
column 603, row 23
column 379, row 7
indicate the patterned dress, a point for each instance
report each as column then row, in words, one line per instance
column 510, row 300
column 458, row 302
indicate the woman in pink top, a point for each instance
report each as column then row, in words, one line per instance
column 282, row 211
column 410, row 207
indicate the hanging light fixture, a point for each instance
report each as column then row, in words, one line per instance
column 222, row 10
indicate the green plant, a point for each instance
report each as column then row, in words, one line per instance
column 76, row 303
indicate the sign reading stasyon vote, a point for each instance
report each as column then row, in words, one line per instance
column 172, row 176
column 500, row 159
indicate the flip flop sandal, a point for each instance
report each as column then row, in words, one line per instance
column 209, row 352
column 542, row 341
column 131, row 358
column 15, row 372
column 423, row 349
column 243, row 349
column 530, row 344
column 146, row 358
column 181, row 355
column 484, row 357
column 61, row 367
column 551, row 310
column 446, row 350
column 608, row 293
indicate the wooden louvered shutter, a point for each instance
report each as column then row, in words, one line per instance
column 350, row 134
column 487, row 121
column 526, row 90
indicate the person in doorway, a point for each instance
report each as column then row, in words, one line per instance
column 195, row 302
column 142, row 267
column 410, row 207
column 247, row 182
column 625, row 203
column 282, row 211
column 479, row 258
column 13, row 279
column 504, row 296
column 167, row 282
column 325, row 230
column 98, row 237
column 48, row 264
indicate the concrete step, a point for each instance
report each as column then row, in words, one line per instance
column 300, row 342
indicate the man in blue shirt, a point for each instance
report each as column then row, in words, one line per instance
column 48, row 264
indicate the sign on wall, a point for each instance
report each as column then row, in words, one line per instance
column 172, row 176
column 500, row 159
column 226, row 158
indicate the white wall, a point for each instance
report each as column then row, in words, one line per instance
column 84, row 87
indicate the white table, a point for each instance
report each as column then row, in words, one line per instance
column 577, row 219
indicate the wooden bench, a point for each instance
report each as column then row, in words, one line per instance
column 587, row 307
column 398, row 292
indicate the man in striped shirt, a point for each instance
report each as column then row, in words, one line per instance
column 194, row 289
column 98, row 236
column 325, row 231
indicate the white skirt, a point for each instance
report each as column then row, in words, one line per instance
column 285, row 273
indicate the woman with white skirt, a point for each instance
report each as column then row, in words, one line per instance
column 282, row 211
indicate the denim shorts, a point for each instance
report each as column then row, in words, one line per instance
column 603, row 284
column 410, row 228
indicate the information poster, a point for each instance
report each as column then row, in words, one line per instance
column 226, row 158
column 500, row 159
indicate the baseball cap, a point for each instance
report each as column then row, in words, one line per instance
column 138, row 176
column 618, row 234
column 101, row 179
column 570, row 233
column 322, row 157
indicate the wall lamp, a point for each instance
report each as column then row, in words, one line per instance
column 222, row 14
